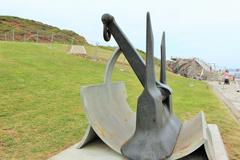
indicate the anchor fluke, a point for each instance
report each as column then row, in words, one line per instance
column 107, row 19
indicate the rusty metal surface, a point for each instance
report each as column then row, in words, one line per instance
column 88, row 137
column 108, row 113
column 107, row 110
column 194, row 134
column 90, row 134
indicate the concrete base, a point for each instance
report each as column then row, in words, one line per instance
column 97, row 150
column 218, row 145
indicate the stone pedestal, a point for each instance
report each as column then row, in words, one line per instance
column 97, row 150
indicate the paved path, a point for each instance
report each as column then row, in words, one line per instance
column 230, row 96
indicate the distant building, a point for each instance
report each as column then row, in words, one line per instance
column 78, row 50
column 192, row 67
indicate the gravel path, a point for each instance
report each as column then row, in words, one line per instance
column 229, row 95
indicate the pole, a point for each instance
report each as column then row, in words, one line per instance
column 5, row 36
column 72, row 41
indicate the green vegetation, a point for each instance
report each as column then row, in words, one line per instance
column 27, row 30
column 40, row 108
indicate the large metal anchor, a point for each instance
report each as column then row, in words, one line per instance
column 154, row 132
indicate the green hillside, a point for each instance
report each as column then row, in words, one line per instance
column 40, row 108
column 30, row 30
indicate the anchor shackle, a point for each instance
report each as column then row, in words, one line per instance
column 107, row 19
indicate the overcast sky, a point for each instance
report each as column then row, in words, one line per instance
column 208, row 29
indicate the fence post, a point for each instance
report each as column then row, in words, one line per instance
column 5, row 36
column 96, row 51
column 72, row 41
column 13, row 35
column 37, row 37
column 24, row 37
column 52, row 38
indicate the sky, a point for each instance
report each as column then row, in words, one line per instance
column 207, row 29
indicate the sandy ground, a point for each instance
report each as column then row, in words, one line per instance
column 230, row 96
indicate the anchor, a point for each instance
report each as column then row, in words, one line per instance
column 153, row 132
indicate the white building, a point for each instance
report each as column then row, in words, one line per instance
column 78, row 50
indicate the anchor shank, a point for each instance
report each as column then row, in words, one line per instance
column 131, row 54
column 156, row 129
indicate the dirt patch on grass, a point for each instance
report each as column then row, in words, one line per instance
column 9, row 131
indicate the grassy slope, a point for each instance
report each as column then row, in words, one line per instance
column 40, row 109
column 28, row 27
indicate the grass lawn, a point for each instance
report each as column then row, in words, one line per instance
column 40, row 107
